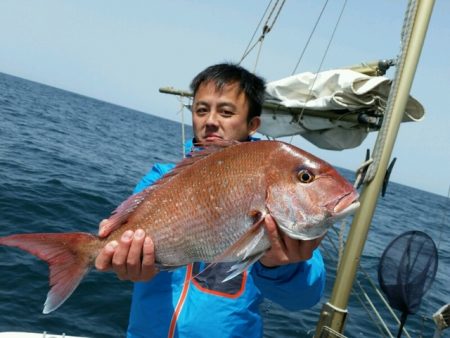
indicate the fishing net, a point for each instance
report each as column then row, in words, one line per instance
column 406, row 271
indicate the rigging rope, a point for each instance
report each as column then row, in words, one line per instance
column 266, row 29
column 309, row 38
column 257, row 56
column 323, row 58
column 381, row 325
column 247, row 50
column 297, row 118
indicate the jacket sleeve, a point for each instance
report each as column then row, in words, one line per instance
column 294, row 286
column 155, row 173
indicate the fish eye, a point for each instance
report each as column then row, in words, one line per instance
column 305, row 176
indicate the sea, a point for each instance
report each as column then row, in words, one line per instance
column 66, row 162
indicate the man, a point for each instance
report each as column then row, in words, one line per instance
column 227, row 105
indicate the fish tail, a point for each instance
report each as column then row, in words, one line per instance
column 67, row 255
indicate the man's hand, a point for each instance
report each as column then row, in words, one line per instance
column 284, row 249
column 132, row 258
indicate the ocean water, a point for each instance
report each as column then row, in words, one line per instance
column 66, row 161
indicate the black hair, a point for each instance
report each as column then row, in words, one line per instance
column 223, row 74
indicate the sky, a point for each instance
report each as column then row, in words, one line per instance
column 123, row 51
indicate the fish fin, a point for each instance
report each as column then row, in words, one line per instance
column 248, row 241
column 244, row 246
column 120, row 215
column 201, row 150
column 240, row 267
column 207, row 267
column 67, row 260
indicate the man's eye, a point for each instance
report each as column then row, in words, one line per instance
column 227, row 113
column 201, row 111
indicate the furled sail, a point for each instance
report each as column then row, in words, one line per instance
column 334, row 109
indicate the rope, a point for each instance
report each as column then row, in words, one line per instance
column 309, row 38
column 298, row 117
column 266, row 29
column 383, row 299
column 270, row 15
column 382, row 134
column 342, row 229
column 257, row 56
column 278, row 13
column 381, row 325
column 247, row 50
column 324, row 56
column 360, row 172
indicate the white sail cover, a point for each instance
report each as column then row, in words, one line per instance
column 291, row 102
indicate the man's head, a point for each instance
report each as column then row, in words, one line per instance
column 227, row 103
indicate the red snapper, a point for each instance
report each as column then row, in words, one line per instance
column 210, row 208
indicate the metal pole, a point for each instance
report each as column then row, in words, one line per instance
column 334, row 312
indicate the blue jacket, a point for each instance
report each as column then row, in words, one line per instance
column 173, row 304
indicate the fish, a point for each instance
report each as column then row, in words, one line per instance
column 209, row 208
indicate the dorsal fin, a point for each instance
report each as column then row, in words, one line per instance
column 201, row 151
column 120, row 215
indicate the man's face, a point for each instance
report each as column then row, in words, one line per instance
column 221, row 114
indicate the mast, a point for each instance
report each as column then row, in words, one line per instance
column 334, row 312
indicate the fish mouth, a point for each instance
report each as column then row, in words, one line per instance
column 345, row 205
column 318, row 226
column 346, row 211
column 319, row 229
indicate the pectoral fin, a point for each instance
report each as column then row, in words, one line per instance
column 240, row 267
column 246, row 248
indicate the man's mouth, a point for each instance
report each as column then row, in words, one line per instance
column 212, row 137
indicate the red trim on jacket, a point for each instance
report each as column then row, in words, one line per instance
column 223, row 294
column 181, row 300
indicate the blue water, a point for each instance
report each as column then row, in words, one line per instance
column 66, row 161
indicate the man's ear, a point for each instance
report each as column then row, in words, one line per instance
column 253, row 125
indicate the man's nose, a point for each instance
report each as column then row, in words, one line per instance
column 212, row 118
